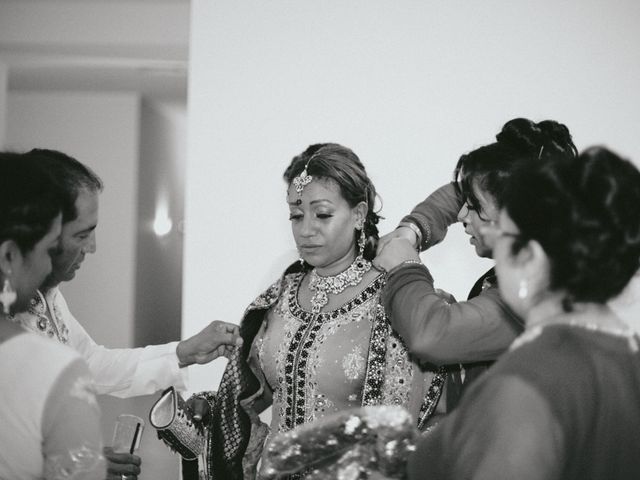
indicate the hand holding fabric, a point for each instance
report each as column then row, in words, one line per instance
column 215, row 340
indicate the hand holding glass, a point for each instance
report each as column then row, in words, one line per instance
column 127, row 434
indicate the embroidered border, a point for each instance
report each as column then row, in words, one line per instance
column 303, row 339
column 431, row 399
column 374, row 378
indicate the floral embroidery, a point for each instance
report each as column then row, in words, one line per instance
column 303, row 349
column 353, row 364
column 37, row 320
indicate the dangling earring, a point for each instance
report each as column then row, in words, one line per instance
column 362, row 241
column 8, row 296
column 523, row 290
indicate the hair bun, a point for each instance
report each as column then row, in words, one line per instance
column 522, row 135
column 526, row 136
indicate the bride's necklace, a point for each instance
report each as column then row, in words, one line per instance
column 323, row 286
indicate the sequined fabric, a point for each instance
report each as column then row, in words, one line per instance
column 322, row 363
column 349, row 445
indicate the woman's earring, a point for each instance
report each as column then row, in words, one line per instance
column 523, row 290
column 8, row 296
column 362, row 241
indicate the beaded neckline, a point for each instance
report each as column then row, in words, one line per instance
column 335, row 284
column 297, row 310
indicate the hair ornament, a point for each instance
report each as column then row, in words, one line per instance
column 540, row 152
column 302, row 180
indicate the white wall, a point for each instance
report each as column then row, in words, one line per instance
column 408, row 85
column 163, row 145
column 100, row 130
column 4, row 76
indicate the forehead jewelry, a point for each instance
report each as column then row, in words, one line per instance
column 302, row 180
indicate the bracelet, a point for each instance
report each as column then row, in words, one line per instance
column 404, row 264
column 415, row 229
column 409, row 262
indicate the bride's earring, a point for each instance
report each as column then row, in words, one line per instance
column 8, row 296
column 362, row 241
column 523, row 290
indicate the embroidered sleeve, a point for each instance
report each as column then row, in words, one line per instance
column 72, row 443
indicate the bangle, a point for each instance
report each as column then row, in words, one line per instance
column 415, row 229
column 404, row 264
column 410, row 262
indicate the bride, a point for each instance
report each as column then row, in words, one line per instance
column 318, row 340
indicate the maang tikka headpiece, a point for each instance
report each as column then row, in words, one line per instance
column 302, row 180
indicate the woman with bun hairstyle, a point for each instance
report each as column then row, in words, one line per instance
column 474, row 332
column 563, row 403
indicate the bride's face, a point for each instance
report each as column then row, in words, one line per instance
column 323, row 225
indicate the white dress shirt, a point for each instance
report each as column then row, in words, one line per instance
column 121, row 372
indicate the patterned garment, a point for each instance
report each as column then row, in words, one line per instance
column 316, row 363
column 313, row 365
column 37, row 320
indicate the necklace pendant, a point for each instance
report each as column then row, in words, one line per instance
column 335, row 284
column 319, row 300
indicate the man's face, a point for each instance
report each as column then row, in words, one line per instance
column 77, row 238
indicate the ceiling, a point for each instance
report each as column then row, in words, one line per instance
column 139, row 45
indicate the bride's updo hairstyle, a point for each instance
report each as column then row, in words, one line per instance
column 584, row 213
column 342, row 165
column 519, row 140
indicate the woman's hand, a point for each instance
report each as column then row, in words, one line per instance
column 400, row 232
column 395, row 251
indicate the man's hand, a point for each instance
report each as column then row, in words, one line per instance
column 121, row 465
column 215, row 340
column 396, row 251
column 400, row 232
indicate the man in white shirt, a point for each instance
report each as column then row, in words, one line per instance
column 122, row 372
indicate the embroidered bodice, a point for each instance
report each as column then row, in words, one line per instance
column 316, row 363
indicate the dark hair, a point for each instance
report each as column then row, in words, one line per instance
column 29, row 200
column 342, row 165
column 520, row 140
column 584, row 213
column 71, row 177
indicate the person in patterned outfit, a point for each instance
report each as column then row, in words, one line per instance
column 318, row 341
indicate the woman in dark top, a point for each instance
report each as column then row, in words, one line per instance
column 564, row 403
column 477, row 331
